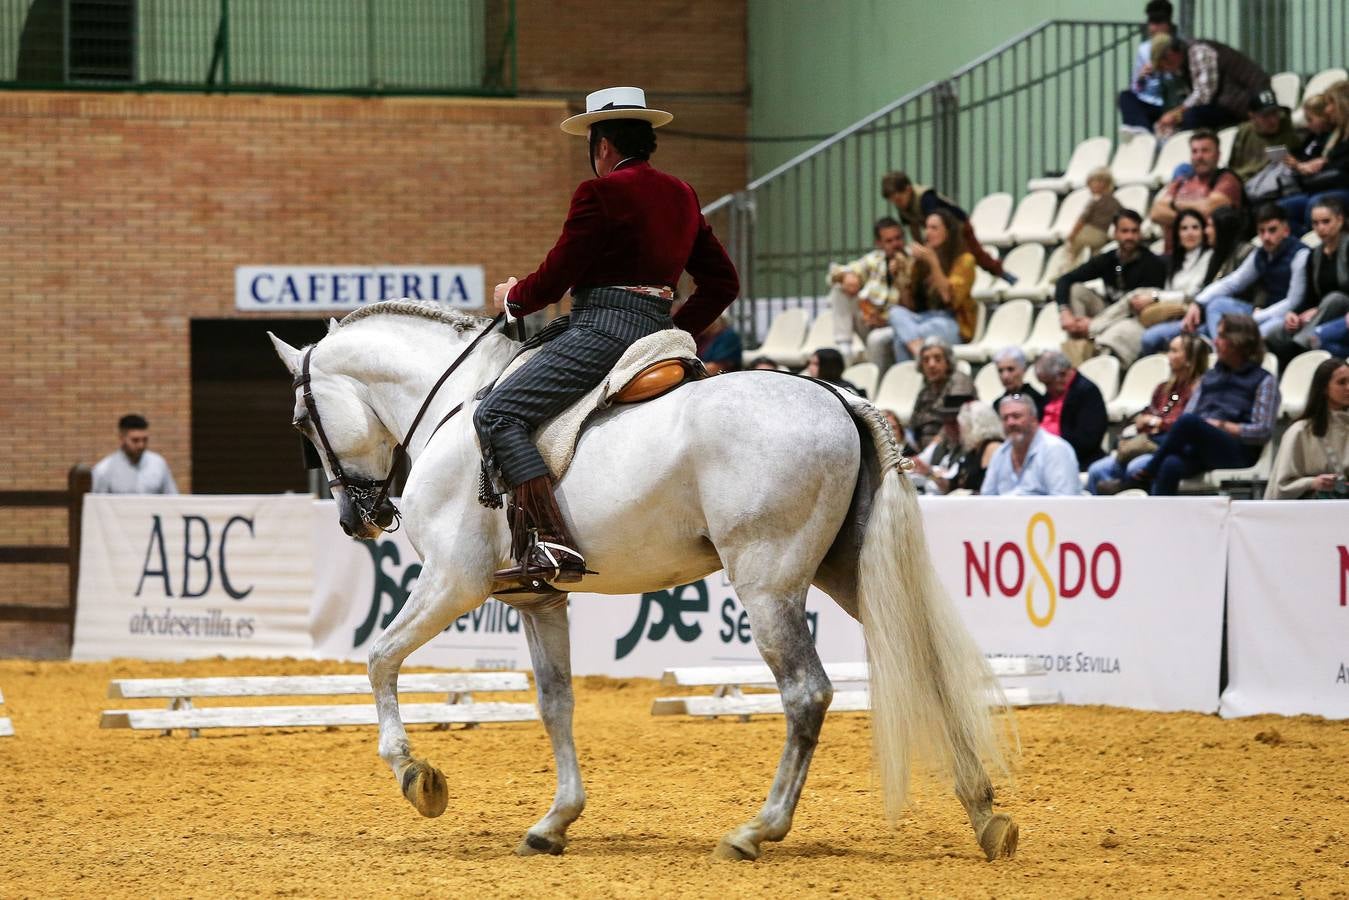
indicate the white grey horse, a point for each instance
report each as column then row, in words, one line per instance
column 764, row 475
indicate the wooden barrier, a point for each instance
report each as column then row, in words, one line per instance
column 850, row 679
column 6, row 727
column 78, row 483
column 458, row 707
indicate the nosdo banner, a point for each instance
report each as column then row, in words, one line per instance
column 1288, row 609
column 360, row 586
column 1121, row 601
column 183, row 577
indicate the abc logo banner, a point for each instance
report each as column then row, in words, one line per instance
column 1288, row 609
column 1121, row 601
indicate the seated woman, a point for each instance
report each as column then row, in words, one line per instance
column 719, row 347
column 1188, row 356
column 936, row 466
column 1229, row 418
column 938, row 303
column 1326, row 175
column 826, row 364
column 1313, row 458
column 980, row 437
column 1312, row 138
column 1327, row 295
column 1214, row 252
column 938, row 364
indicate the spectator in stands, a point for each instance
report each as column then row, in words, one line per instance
column 1222, row 81
column 1206, row 188
column 1074, row 408
column 764, row 363
column 1333, row 337
column 980, row 437
column 863, row 291
column 1278, row 268
column 1145, row 100
column 826, row 364
column 1011, row 363
column 1313, row 460
column 1229, row 418
column 1327, row 296
column 1267, row 125
column 719, row 347
column 1326, row 175
column 915, row 202
column 1222, row 232
column 1188, row 357
column 1312, row 140
column 939, row 302
column 936, row 466
column 940, row 378
column 1031, row 461
column 1091, row 231
column 1186, row 268
column 133, row 469
column 1096, row 323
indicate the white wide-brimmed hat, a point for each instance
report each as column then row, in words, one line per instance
column 615, row 103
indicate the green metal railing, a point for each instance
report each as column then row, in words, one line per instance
column 436, row 47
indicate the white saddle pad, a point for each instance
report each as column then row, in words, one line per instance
column 556, row 438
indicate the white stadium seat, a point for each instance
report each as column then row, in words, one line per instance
column 990, row 216
column 1175, row 151
column 1297, row 382
column 1139, row 382
column 1035, row 212
column 1102, row 371
column 1226, row 138
column 899, row 389
column 1287, row 88
column 785, row 335
column 987, row 385
column 1271, row 364
column 1046, row 334
column 1064, row 220
column 1212, row 481
column 821, row 334
column 865, row 375
column 1009, row 324
column 1026, row 263
column 1136, row 197
column 1043, row 287
column 1092, row 153
column 1132, row 163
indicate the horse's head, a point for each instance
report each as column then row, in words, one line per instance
column 344, row 437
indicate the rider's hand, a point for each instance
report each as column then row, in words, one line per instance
column 499, row 295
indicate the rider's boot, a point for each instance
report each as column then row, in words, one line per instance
column 543, row 548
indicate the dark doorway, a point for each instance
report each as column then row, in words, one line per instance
column 242, row 441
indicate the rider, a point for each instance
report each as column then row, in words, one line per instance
column 629, row 234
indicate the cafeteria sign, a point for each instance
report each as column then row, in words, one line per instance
column 290, row 289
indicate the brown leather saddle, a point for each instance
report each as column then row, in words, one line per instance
column 660, row 378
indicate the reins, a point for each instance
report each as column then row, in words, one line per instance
column 357, row 488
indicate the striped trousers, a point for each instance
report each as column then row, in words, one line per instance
column 604, row 322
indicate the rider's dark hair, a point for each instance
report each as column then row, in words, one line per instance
column 132, row 422
column 631, row 137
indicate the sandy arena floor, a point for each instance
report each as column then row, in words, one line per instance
column 1110, row 803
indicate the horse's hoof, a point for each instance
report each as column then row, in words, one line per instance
column 535, row 844
column 735, row 850
column 999, row 837
column 425, row 788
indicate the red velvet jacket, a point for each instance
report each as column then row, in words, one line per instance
column 634, row 226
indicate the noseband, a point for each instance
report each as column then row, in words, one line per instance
column 381, row 512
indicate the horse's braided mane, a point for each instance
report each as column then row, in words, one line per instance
column 425, row 309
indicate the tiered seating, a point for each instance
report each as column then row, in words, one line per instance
column 1317, row 84
column 865, row 375
column 1045, row 334
column 1093, row 153
column 1132, row 163
column 1226, row 138
column 1035, row 213
column 1102, row 371
column 1070, row 210
column 1297, row 381
column 1139, row 382
column 786, row 333
column 1287, row 88
column 990, row 217
column 1009, row 325
column 899, row 389
column 1174, row 152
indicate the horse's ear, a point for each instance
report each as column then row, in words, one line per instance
column 332, row 325
column 289, row 355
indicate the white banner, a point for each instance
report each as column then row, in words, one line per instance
column 184, row 577
column 290, row 289
column 1121, row 600
column 359, row 586
column 1288, row 609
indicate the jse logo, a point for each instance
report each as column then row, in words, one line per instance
column 665, row 611
column 1006, row 570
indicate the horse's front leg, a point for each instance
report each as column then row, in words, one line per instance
column 550, row 650
column 434, row 603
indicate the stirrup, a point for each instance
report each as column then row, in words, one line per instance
column 547, row 562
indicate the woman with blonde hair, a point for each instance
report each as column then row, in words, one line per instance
column 1328, row 174
column 1313, row 460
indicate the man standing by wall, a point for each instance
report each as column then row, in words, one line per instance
column 133, row 469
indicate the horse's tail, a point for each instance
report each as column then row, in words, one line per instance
column 930, row 685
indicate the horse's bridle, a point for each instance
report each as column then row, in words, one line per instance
column 380, row 512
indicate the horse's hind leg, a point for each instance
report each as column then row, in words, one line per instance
column 778, row 623
column 550, row 650
column 996, row 832
column 432, row 605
